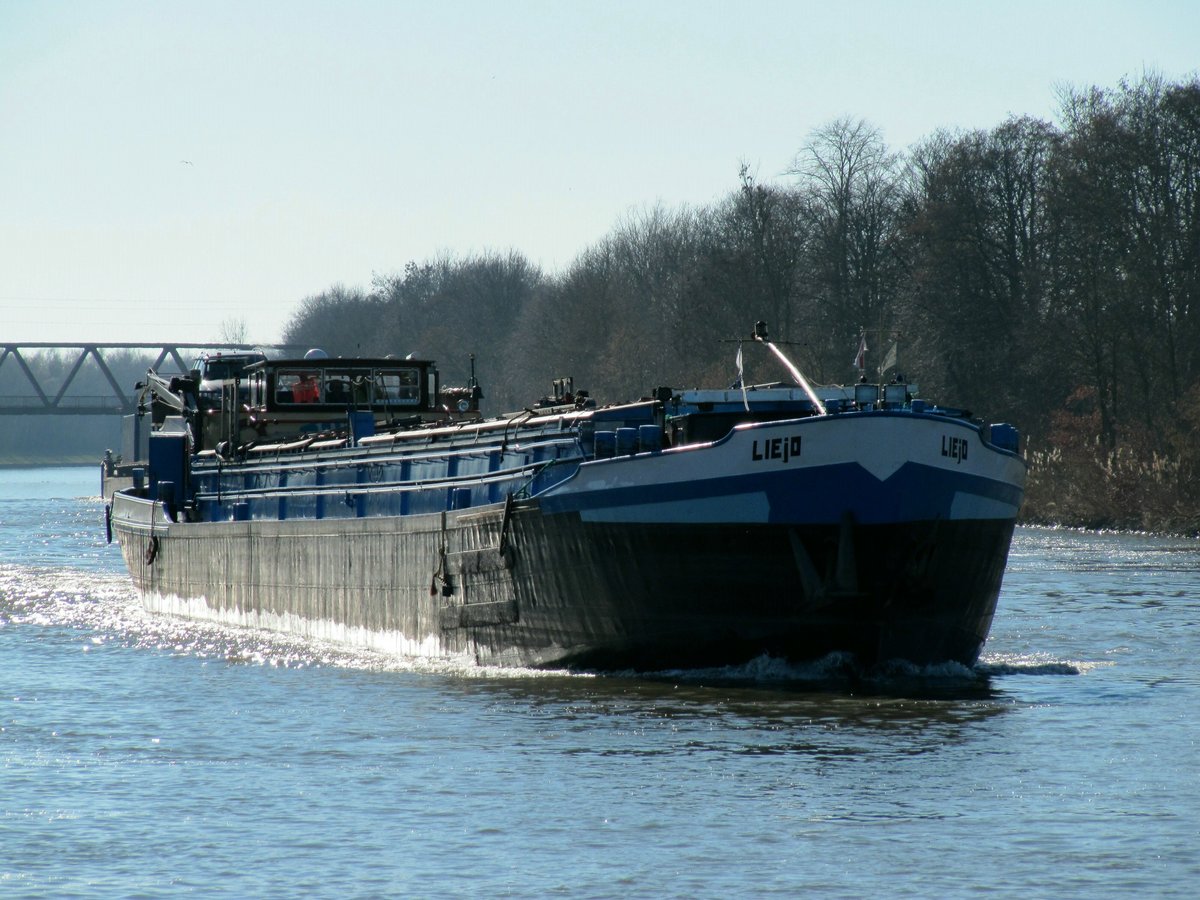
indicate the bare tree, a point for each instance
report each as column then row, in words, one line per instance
column 849, row 182
column 233, row 331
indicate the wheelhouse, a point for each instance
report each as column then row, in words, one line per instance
column 282, row 398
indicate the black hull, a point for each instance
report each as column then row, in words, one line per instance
column 520, row 587
column 667, row 596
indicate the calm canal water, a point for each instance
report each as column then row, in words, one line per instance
column 145, row 757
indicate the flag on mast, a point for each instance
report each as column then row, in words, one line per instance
column 889, row 360
column 860, row 358
column 742, row 378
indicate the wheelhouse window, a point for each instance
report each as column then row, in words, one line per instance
column 299, row 386
column 398, row 387
column 346, row 386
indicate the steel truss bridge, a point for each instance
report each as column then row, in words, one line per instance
column 120, row 399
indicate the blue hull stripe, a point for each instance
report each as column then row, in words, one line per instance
column 815, row 495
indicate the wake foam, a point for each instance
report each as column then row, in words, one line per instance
column 107, row 606
column 1000, row 665
column 844, row 672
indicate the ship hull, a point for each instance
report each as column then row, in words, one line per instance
column 793, row 539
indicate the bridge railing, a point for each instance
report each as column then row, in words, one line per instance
column 58, row 400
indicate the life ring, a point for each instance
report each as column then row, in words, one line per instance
column 151, row 550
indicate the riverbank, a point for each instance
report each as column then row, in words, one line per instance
column 38, row 462
column 1112, row 491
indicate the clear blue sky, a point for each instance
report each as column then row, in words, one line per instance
column 169, row 167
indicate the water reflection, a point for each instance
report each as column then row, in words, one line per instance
column 829, row 719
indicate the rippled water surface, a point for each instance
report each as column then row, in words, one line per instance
column 144, row 756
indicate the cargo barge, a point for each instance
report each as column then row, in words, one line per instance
column 357, row 500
